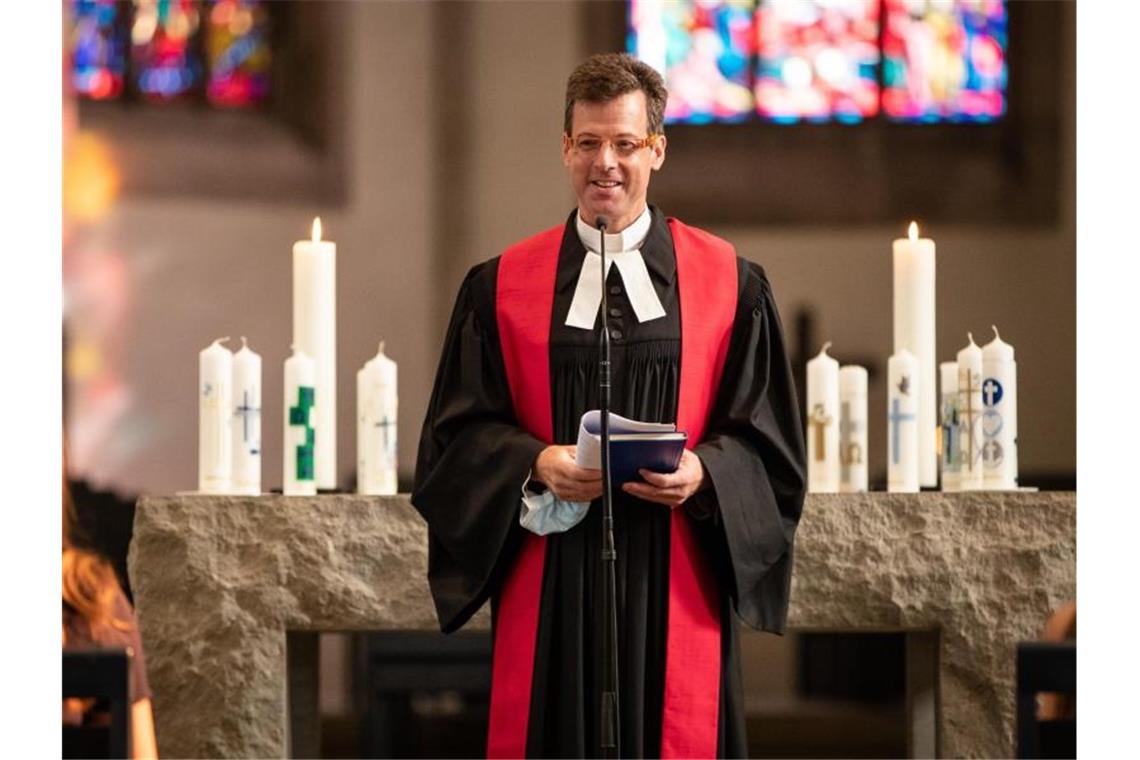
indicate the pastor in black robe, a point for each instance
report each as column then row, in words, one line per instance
column 474, row 458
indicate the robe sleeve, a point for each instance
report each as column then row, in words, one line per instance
column 754, row 454
column 473, row 459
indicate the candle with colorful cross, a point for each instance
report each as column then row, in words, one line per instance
column 823, row 423
column 904, row 384
column 314, row 333
column 999, row 415
column 914, row 331
column 970, row 474
column 246, row 423
column 852, row 429
column 215, row 384
column 301, row 435
column 376, row 405
column 950, row 435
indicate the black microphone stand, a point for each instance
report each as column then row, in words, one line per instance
column 610, row 725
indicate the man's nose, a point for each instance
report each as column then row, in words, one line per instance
column 607, row 156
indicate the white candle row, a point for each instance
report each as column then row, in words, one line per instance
column 229, row 439
column 977, row 441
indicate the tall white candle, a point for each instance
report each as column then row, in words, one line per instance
column 999, row 415
column 970, row 476
column 904, row 386
column 376, row 406
column 215, row 379
column 914, row 331
column 852, row 429
column 301, row 435
column 246, row 472
column 950, row 438
column 823, row 423
column 314, row 333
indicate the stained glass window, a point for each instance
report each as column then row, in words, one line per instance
column 165, row 50
column 944, row 60
column 817, row 59
column 237, row 52
column 704, row 49
column 825, row 60
column 99, row 45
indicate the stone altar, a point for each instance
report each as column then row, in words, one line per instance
column 219, row 582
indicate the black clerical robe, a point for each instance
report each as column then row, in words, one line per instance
column 492, row 411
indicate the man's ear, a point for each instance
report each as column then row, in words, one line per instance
column 658, row 149
column 567, row 149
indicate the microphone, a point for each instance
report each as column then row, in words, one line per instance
column 602, row 222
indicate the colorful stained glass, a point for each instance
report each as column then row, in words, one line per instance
column 817, row 60
column 237, row 52
column 704, row 49
column 98, row 49
column 944, row 60
column 163, row 56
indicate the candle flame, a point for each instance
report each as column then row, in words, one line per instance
column 316, row 229
column 912, row 231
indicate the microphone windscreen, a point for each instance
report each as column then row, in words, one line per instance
column 602, row 222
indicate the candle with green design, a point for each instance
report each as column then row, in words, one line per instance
column 299, row 470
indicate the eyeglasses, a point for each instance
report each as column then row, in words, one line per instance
column 589, row 145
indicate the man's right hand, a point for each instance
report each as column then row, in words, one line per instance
column 556, row 468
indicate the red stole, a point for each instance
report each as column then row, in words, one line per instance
column 524, row 308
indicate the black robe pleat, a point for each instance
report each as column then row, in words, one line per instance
column 473, row 460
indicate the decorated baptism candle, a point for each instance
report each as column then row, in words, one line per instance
column 376, row 405
column 950, row 432
column 246, row 422
column 823, row 423
column 999, row 415
column 852, row 429
column 299, row 466
column 215, row 382
column 314, row 333
column 970, row 476
column 903, row 387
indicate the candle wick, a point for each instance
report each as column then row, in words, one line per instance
column 970, row 335
column 996, row 333
column 222, row 340
column 826, row 346
column 381, row 346
column 244, row 344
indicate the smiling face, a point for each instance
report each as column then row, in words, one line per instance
column 605, row 181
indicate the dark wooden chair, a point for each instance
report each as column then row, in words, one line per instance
column 102, row 674
column 1045, row 667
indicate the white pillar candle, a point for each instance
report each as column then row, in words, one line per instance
column 970, row 477
column 246, row 471
column 914, row 332
column 314, row 333
column 999, row 415
column 376, row 405
column 215, row 379
column 301, row 435
column 823, row 423
column 904, row 386
column 852, row 429
column 950, row 437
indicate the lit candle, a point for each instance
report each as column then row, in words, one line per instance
column 852, row 429
column 970, row 476
column 314, row 333
column 999, row 415
column 376, row 404
column 914, row 332
column 246, row 472
column 300, row 433
column 904, row 386
column 215, row 378
column 823, row 423
column 950, row 449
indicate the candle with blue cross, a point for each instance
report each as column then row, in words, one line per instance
column 246, row 471
column 999, row 415
column 903, row 387
column 299, row 466
column 950, row 429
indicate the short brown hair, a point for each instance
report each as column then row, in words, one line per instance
column 606, row 76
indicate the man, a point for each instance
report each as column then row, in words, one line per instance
column 696, row 340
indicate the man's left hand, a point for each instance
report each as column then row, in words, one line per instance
column 673, row 488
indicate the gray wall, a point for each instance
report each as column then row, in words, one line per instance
column 450, row 132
